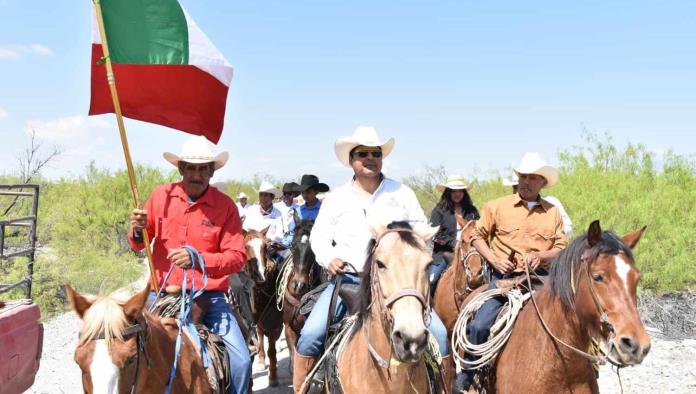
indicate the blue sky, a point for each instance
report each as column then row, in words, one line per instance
column 468, row 85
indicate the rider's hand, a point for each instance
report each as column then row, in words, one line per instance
column 440, row 242
column 336, row 266
column 532, row 258
column 138, row 219
column 179, row 257
column 503, row 265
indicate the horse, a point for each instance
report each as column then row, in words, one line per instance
column 306, row 274
column 123, row 349
column 385, row 351
column 268, row 319
column 464, row 274
column 590, row 295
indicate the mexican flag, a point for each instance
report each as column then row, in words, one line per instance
column 166, row 70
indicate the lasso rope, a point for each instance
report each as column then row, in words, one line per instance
column 282, row 281
column 499, row 333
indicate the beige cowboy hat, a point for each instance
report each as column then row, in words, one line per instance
column 454, row 182
column 532, row 163
column 363, row 135
column 196, row 150
column 242, row 195
column 513, row 181
column 267, row 187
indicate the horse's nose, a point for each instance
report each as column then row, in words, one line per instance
column 298, row 286
column 411, row 346
column 631, row 346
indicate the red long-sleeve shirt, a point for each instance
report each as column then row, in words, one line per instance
column 211, row 225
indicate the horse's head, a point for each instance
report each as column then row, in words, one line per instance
column 108, row 344
column 600, row 284
column 469, row 256
column 303, row 259
column 398, row 281
column 258, row 258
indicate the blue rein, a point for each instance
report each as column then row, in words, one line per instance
column 187, row 298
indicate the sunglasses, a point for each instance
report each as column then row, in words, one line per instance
column 363, row 153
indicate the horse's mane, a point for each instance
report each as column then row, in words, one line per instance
column 568, row 265
column 366, row 280
column 106, row 316
column 304, row 228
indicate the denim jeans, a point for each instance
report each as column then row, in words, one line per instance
column 313, row 334
column 219, row 320
column 435, row 271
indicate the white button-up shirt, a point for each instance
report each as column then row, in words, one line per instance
column 257, row 220
column 343, row 219
column 567, row 223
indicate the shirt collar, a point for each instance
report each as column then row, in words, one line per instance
column 545, row 205
column 179, row 191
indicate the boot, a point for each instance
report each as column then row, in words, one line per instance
column 302, row 365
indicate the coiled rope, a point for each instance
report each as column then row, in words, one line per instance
column 282, row 281
column 499, row 333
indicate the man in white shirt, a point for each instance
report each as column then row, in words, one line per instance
column 341, row 234
column 264, row 214
column 242, row 205
column 567, row 223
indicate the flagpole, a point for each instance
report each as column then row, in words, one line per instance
column 124, row 139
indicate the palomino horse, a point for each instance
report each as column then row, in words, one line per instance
column 268, row 319
column 590, row 295
column 306, row 274
column 464, row 274
column 385, row 351
column 122, row 349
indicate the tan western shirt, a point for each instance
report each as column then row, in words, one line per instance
column 508, row 225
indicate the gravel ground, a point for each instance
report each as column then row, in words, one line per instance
column 669, row 368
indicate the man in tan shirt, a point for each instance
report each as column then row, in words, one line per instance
column 520, row 228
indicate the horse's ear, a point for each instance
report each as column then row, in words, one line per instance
column 632, row 239
column 134, row 306
column 265, row 230
column 377, row 228
column 425, row 231
column 78, row 302
column 460, row 220
column 594, row 233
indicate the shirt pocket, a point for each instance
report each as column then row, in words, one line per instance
column 507, row 231
column 210, row 238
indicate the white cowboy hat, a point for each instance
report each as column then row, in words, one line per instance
column 532, row 163
column 267, row 187
column 363, row 135
column 454, row 182
column 513, row 181
column 242, row 195
column 197, row 150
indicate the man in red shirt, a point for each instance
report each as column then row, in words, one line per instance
column 193, row 213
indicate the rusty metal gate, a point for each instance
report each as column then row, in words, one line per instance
column 23, row 247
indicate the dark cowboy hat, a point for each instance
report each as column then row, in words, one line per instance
column 312, row 181
column 291, row 187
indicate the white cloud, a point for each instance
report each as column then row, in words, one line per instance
column 42, row 50
column 14, row 52
column 3, row 113
column 71, row 130
column 8, row 54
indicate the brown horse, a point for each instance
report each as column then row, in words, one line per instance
column 304, row 277
column 385, row 352
column 122, row 349
column 268, row 319
column 590, row 296
column 464, row 274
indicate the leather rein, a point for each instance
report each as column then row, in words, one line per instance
column 385, row 305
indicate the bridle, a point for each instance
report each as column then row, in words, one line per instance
column 141, row 332
column 385, row 305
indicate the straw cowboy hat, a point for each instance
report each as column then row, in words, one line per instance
column 363, row 135
column 267, row 187
column 197, row 150
column 309, row 180
column 532, row 163
column 242, row 195
column 513, row 181
column 454, row 182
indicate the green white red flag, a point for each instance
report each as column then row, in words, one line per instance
column 166, row 70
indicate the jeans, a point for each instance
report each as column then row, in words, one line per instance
column 220, row 321
column 313, row 334
column 435, row 271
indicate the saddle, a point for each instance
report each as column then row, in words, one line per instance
column 218, row 363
